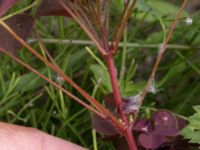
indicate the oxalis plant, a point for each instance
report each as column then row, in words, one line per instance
column 117, row 119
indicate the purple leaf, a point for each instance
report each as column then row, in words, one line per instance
column 103, row 126
column 164, row 119
column 20, row 24
column 5, row 5
column 181, row 123
column 143, row 126
column 109, row 102
column 150, row 141
column 166, row 132
column 51, row 8
column 121, row 144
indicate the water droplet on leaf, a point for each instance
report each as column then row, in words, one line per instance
column 189, row 21
column 60, row 80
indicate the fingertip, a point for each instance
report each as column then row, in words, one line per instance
column 51, row 143
column 14, row 137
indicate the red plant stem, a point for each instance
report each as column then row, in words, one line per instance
column 115, row 86
column 93, row 101
column 122, row 23
column 118, row 100
column 160, row 55
column 83, row 25
column 43, row 47
column 130, row 139
column 52, row 83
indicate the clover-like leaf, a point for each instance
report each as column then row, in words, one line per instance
column 181, row 122
column 149, row 141
column 161, row 130
column 164, row 119
column 103, row 126
column 121, row 144
column 142, row 125
column 109, row 102
column 20, row 24
column 171, row 132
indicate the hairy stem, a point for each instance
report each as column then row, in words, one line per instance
column 51, row 82
column 118, row 100
column 161, row 52
column 121, row 44
column 56, row 69
column 84, row 27
column 119, row 30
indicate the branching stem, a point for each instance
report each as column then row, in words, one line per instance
column 102, row 43
column 161, row 52
column 56, row 69
column 51, row 82
column 118, row 100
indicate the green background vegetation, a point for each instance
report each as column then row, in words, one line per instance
column 26, row 99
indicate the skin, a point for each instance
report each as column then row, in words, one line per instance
column 14, row 137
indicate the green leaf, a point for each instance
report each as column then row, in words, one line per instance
column 197, row 109
column 193, row 136
column 102, row 74
column 175, row 70
column 133, row 88
column 162, row 8
column 192, row 131
column 156, row 9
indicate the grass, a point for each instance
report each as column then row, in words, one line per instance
column 26, row 99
